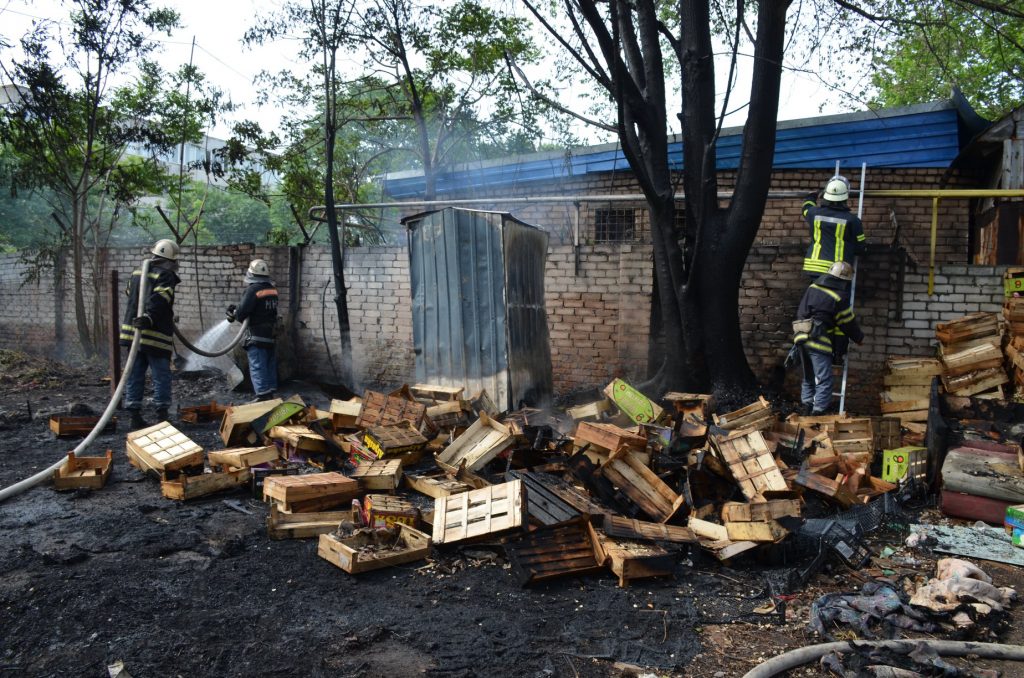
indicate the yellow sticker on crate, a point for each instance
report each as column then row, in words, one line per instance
column 632, row 402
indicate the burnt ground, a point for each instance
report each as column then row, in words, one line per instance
column 198, row 589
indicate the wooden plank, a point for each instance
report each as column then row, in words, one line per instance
column 769, row 531
column 628, row 528
column 751, row 464
column 83, row 472
column 243, row 457
column 707, row 529
column 828, row 487
column 758, row 415
column 903, row 406
column 357, row 553
column 282, row 525
column 479, row 513
column 186, row 487
column 235, row 424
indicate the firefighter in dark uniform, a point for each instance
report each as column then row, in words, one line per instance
column 259, row 307
column 836, row 233
column 825, row 324
column 156, row 326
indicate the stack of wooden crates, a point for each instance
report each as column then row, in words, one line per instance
column 1013, row 314
column 971, row 350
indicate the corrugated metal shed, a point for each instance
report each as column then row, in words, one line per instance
column 926, row 135
column 478, row 305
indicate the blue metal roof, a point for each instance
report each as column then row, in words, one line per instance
column 926, row 135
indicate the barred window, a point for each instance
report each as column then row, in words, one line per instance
column 615, row 224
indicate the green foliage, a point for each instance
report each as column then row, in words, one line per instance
column 947, row 44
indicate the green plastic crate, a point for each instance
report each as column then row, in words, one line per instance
column 896, row 464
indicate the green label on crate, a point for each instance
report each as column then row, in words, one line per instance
column 633, row 403
column 1013, row 284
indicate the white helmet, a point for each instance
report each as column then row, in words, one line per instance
column 837, row 190
column 259, row 267
column 841, row 270
column 167, row 249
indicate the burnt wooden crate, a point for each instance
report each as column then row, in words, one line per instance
column 70, row 427
column 641, row 485
column 186, row 487
column 383, row 474
column 303, row 525
column 436, row 485
column 757, row 415
column 974, row 383
column 198, row 414
column 358, row 553
column 558, row 550
column 630, row 559
column 384, row 510
column 608, row 437
column 759, row 511
column 310, row 492
column 885, row 433
column 454, row 414
column 163, row 449
column 480, row 443
column 394, row 440
column 480, row 513
column 383, row 410
column 544, row 506
column 751, row 463
column 968, row 327
column 630, row 528
column 243, row 457
column 235, row 427
column 83, row 472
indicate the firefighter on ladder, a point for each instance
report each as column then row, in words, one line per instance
column 259, row 307
column 825, row 323
column 836, row 233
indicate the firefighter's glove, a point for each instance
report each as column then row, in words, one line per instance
column 143, row 322
column 230, row 313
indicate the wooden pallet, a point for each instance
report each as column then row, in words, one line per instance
column 480, row 513
column 186, row 487
column 750, row 463
column 83, row 472
column 480, row 443
column 630, row 528
column 162, row 448
column 436, row 485
column 630, row 559
column 356, row 554
column 384, row 474
column 641, row 485
column 69, row 427
column 234, row 427
column 282, row 525
column 968, row 327
column 243, row 457
column 544, row 506
column 755, row 416
column 385, row 410
column 557, row 550
column 310, row 489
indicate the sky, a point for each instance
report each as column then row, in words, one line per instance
column 218, row 27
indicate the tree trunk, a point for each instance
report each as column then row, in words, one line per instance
column 77, row 257
column 337, row 260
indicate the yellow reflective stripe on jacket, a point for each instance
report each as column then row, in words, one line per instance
column 807, row 205
column 816, row 250
column 817, row 265
column 823, row 344
column 861, row 238
column 826, row 290
column 844, row 317
column 840, row 241
column 165, row 292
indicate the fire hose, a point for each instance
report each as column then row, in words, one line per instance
column 20, row 486
column 946, row 648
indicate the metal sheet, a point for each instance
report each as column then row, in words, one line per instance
column 478, row 304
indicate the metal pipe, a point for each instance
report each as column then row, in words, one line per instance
column 32, row 481
column 935, row 235
column 853, row 288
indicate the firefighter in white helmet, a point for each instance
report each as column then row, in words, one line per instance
column 259, row 307
column 836, row 233
column 156, row 326
column 824, row 324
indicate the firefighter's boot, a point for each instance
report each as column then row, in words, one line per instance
column 137, row 421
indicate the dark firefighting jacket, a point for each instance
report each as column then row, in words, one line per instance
column 259, row 306
column 836, row 235
column 159, row 306
column 826, row 303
